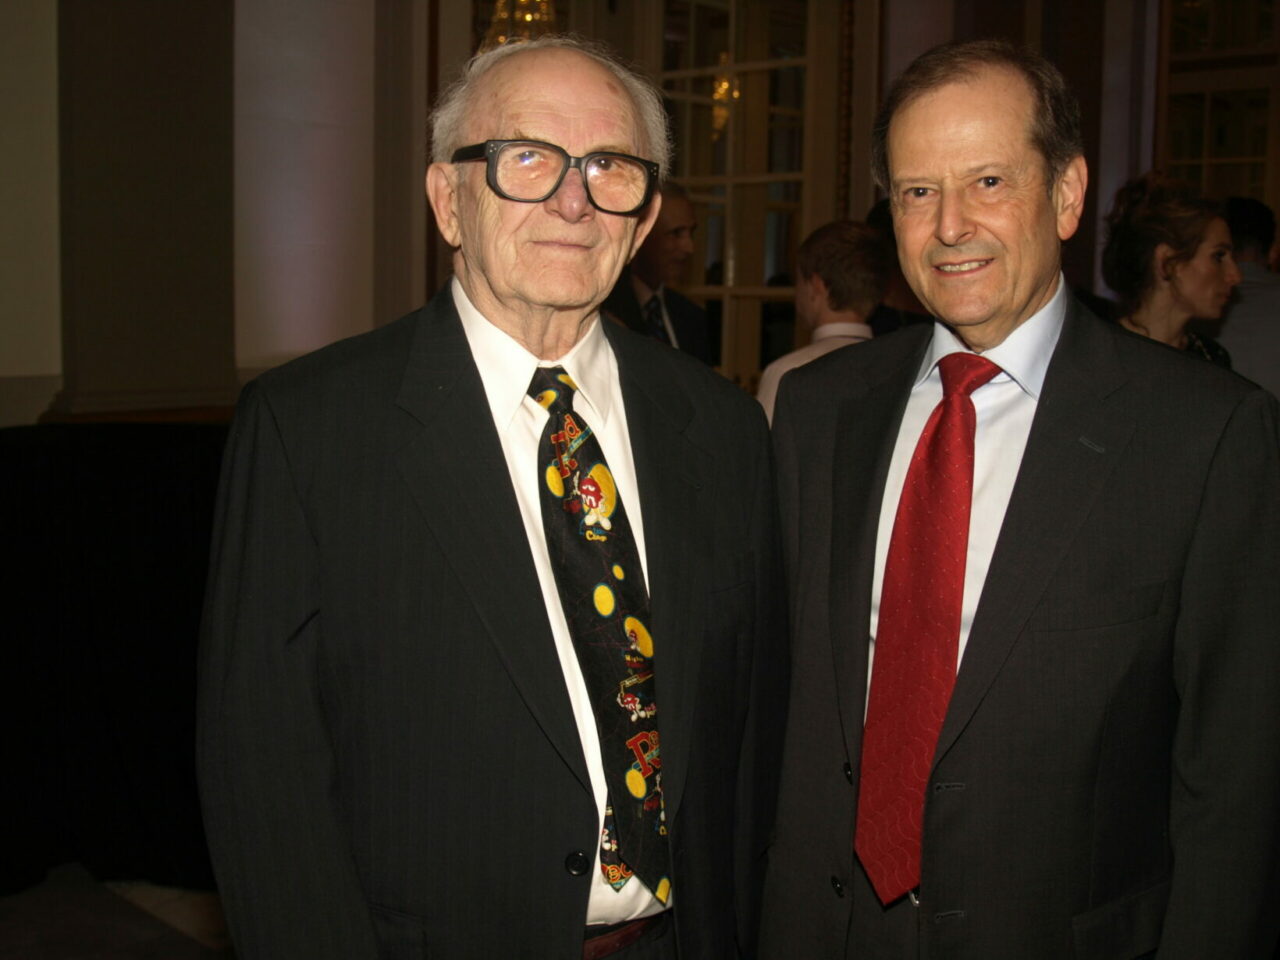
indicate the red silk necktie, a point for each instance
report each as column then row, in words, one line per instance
column 918, row 635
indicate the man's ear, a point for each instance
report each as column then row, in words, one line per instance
column 645, row 223
column 442, row 194
column 1068, row 197
column 821, row 290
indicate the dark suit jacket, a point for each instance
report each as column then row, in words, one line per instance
column 1107, row 779
column 388, row 760
column 693, row 332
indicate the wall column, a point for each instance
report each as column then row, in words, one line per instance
column 145, row 165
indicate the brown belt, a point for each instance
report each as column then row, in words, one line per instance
column 615, row 937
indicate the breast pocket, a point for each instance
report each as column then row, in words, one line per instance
column 1097, row 610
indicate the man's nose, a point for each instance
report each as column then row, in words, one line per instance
column 954, row 226
column 570, row 200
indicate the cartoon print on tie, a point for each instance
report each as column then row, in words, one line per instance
column 616, row 872
column 640, row 646
column 596, row 497
column 654, row 800
column 644, row 779
column 592, row 498
column 629, row 699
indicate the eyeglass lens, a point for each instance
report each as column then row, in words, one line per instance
column 529, row 171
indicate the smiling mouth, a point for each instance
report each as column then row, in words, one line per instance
column 967, row 267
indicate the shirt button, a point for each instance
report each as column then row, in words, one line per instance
column 577, row 863
column 837, row 886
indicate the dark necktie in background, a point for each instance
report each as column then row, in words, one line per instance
column 918, row 634
column 653, row 319
column 606, row 605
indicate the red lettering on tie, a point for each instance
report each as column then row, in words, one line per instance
column 645, row 747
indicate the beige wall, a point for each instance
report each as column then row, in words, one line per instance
column 30, row 329
column 304, row 176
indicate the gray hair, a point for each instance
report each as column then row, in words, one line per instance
column 454, row 103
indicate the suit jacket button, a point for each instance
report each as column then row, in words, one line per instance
column 848, row 771
column 577, row 863
column 837, row 886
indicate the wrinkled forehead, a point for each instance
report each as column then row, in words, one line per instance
column 540, row 92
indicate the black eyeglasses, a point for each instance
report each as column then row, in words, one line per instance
column 530, row 171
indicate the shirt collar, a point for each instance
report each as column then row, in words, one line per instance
column 506, row 367
column 842, row 328
column 1023, row 356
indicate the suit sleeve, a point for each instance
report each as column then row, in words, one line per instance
column 766, row 683
column 1225, row 803
column 282, row 860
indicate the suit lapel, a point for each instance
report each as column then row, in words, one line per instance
column 456, row 444
column 1079, row 432
column 671, row 472
column 865, row 434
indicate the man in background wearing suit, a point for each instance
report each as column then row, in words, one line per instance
column 1086, row 523
column 492, row 662
column 642, row 298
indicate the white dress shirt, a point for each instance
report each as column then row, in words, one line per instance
column 506, row 368
column 826, row 337
column 1005, row 407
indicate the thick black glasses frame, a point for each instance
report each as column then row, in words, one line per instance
column 488, row 152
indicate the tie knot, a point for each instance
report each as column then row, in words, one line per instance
column 963, row 373
column 551, row 386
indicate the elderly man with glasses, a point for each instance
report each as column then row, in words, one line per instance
column 460, row 562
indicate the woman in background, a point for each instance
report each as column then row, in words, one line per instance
column 1168, row 257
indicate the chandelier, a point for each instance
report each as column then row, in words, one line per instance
column 522, row 19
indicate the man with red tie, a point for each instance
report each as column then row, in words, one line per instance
column 1033, row 562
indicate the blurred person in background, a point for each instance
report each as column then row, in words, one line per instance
column 899, row 305
column 1169, row 259
column 643, row 300
column 842, row 268
column 1252, row 329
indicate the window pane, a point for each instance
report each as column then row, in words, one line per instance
column 700, row 134
column 1236, row 180
column 1236, row 23
column 1189, row 26
column 786, row 120
column 1191, row 172
column 709, row 240
column 1238, row 123
column 779, row 247
column 710, row 36
column 1186, row 126
column 771, row 29
column 676, row 46
column 1197, row 26
column 785, row 192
